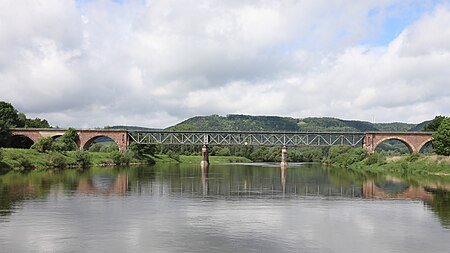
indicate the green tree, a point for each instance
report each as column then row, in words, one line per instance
column 121, row 158
column 8, row 118
column 441, row 138
column 36, row 123
column 140, row 149
column 43, row 145
column 434, row 124
column 70, row 139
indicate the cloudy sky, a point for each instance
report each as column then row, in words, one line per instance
column 91, row 63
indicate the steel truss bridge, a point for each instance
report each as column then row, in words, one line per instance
column 223, row 138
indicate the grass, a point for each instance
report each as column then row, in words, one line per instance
column 21, row 159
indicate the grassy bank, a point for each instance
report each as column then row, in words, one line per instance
column 20, row 159
column 408, row 164
column 32, row 159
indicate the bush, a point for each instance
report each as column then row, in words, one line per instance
column 376, row 158
column 224, row 152
column 56, row 160
column 24, row 163
column 83, row 158
column 412, row 158
column 69, row 139
column 121, row 158
column 104, row 147
column 1, row 154
column 116, row 157
column 58, row 146
column 173, row 155
column 43, row 145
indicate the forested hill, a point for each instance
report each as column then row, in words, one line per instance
column 274, row 123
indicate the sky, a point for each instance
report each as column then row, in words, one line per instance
column 154, row 63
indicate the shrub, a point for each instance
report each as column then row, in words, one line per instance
column 43, row 145
column 58, row 146
column 344, row 155
column 56, row 159
column 116, row 157
column 121, row 158
column 24, row 163
column 225, row 151
column 376, row 158
column 83, row 158
column 69, row 139
column 412, row 158
column 173, row 155
column 1, row 154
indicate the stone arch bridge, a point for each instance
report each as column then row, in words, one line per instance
column 369, row 140
column 86, row 137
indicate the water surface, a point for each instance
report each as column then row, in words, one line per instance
column 227, row 208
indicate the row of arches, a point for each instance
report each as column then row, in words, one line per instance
column 399, row 146
column 25, row 142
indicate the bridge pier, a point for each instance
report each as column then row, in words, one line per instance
column 284, row 157
column 205, row 157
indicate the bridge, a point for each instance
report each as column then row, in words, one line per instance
column 369, row 140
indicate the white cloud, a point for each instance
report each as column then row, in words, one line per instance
column 101, row 63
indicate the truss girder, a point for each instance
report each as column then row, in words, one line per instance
column 247, row 138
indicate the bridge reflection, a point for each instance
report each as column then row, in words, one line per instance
column 104, row 184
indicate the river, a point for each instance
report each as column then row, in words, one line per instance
column 227, row 208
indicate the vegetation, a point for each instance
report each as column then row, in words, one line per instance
column 434, row 124
column 10, row 118
column 104, row 147
column 67, row 142
column 280, row 124
column 83, row 158
column 358, row 160
column 441, row 138
column 344, row 156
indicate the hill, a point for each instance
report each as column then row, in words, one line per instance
column 286, row 124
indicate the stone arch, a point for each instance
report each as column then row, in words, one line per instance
column 410, row 147
column 56, row 136
column 89, row 142
column 31, row 135
column 424, row 143
column 21, row 141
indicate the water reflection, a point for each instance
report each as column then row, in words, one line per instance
column 229, row 182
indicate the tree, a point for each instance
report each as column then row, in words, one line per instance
column 441, row 138
column 9, row 114
column 43, row 145
column 8, row 118
column 36, row 123
column 434, row 124
column 70, row 139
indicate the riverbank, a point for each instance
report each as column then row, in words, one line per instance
column 29, row 159
column 407, row 164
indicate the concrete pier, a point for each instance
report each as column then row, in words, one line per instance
column 284, row 157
